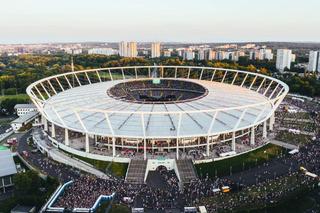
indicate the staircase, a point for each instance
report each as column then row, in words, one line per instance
column 136, row 172
column 186, row 170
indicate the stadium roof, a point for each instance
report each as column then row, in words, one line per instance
column 83, row 109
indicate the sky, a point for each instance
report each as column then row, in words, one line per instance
column 36, row 21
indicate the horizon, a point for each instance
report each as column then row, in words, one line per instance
column 204, row 21
column 165, row 42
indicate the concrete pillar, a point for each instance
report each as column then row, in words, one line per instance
column 177, row 149
column 113, row 147
column 252, row 140
column 66, row 137
column 87, row 143
column 45, row 124
column 208, row 146
column 4, row 188
column 53, row 130
column 264, row 131
column 144, row 149
column 271, row 122
column 233, row 145
column 108, row 143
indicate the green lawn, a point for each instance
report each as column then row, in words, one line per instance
column 239, row 163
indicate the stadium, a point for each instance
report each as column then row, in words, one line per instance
column 157, row 113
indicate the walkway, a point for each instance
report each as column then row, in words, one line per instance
column 58, row 156
column 283, row 144
column 301, row 132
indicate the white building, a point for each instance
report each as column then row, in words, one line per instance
column 268, row 54
column 155, row 50
column 222, row 55
column 314, row 61
column 23, row 109
column 102, row 51
column 188, row 54
column 123, row 48
column 167, row 53
column 180, row 52
column 24, row 120
column 261, row 54
column 211, row 54
column 293, row 57
column 128, row 49
column 132, row 49
column 201, row 54
column 73, row 51
column 284, row 59
column 248, row 46
column 7, row 168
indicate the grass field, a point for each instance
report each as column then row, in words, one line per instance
column 239, row 163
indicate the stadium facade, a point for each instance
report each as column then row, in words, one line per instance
column 157, row 112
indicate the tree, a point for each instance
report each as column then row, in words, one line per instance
column 7, row 105
column 27, row 182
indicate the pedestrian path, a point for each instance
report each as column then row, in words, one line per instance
column 58, row 156
column 283, row 144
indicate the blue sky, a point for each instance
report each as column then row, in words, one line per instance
column 31, row 21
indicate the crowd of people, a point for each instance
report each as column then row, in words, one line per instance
column 297, row 121
column 163, row 91
column 84, row 191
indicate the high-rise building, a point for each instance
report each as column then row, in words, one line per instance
column 234, row 56
column 314, row 61
column 211, row 54
column 267, row 54
column 293, row 57
column 201, row 54
column 188, row 54
column 155, row 50
column 123, row 47
column 284, row 58
column 132, row 49
column 128, row 49
column 222, row 55
column 261, row 54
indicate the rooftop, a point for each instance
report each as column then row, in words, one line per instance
column 26, row 117
column 17, row 106
column 7, row 165
column 90, row 103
